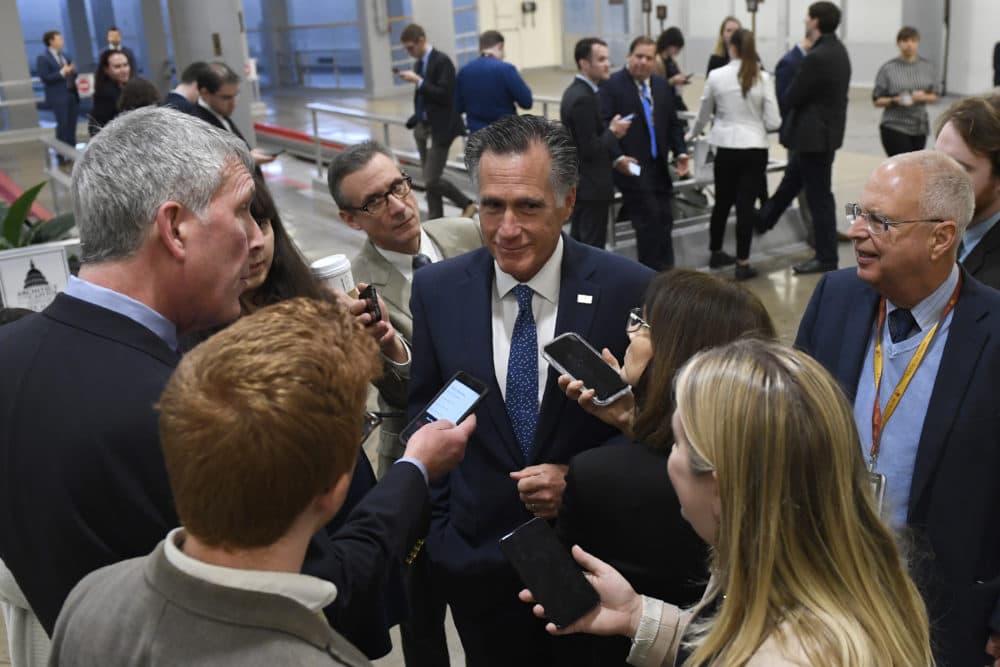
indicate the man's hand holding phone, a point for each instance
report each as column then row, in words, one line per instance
column 373, row 315
column 619, row 126
column 440, row 445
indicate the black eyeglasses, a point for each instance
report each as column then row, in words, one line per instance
column 375, row 204
column 635, row 321
column 877, row 224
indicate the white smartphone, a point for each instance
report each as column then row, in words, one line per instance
column 634, row 169
column 456, row 401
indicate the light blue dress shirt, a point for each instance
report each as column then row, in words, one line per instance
column 136, row 311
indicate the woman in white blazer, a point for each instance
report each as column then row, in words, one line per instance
column 739, row 97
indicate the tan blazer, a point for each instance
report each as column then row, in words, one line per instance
column 453, row 237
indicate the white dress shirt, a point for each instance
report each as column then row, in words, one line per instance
column 404, row 262
column 311, row 592
column 544, row 307
column 739, row 122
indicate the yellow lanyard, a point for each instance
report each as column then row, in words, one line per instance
column 879, row 418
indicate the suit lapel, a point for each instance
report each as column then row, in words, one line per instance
column 392, row 287
column 966, row 339
column 860, row 318
column 977, row 257
column 576, row 315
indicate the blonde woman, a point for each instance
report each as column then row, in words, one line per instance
column 720, row 54
column 768, row 470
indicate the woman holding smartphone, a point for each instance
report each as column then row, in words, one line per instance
column 618, row 503
column 768, row 469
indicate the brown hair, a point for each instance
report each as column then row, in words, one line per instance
column 745, row 44
column 721, row 48
column 412, row 33
column 977, row 120
column 641, row 40
column 263, row 417
column 688, row 311
column 907, row 32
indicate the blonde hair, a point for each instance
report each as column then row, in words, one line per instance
column 721, row 48
column 801, row 555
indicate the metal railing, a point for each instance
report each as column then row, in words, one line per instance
column 23, row 101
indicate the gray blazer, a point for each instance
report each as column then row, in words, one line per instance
column 144, row 611
column 452, row 236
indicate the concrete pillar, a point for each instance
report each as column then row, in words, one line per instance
column 276, row 40
column 376, row 49
column 77, row 37
column 14, row 67
column 209, row 32
column 103, row 13
column 157, row 69
column 927, row 16
column 438, row 20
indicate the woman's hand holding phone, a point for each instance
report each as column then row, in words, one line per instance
column 618, row 413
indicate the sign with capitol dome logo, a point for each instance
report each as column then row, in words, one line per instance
column 31, row 277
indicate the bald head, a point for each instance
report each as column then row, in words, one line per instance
column 946, row 191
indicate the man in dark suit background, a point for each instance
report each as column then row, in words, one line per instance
column 56, row 70
column 490, row 312
column 184, row 96
column 162, row 204
column 115, row 44
column 596, row 142
column 815, row 110
column 218, row 88
column 434, row 119
column 969, row 131
column 635, row 92
column 937, row 451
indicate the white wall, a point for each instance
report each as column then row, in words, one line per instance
column 529, row 40
column 970, row 45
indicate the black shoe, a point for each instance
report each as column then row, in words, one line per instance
column 720, row 258
column 762, row 222
column 745, row 272
column 815, row 266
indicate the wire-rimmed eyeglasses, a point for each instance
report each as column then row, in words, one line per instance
column 399, row 188
column 877, row 224
column 635, row 321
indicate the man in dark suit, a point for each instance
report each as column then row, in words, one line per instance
column 933, row 444
column 969, row 131
column 596, row 142
column 162, row 204
column 184, row 96
column 815, row 110
column 255, row 532
column 434, row 119
column 115, row 44
column 636, row 93
column 56, row 70
column 490, row 312
column 218, row 88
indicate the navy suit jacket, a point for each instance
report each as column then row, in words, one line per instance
column 619, row 95
column 56, row 89
column 954, row 508
column 438, row 92
column 816, row 99
column 477, row 503
column 596, row 145
column 83, row 483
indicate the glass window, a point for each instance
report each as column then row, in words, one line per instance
column 466, row 31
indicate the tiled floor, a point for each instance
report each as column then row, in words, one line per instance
column 311, row 216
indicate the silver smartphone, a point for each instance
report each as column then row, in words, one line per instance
column 572, row 355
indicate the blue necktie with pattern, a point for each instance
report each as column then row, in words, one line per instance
column 522, row 372
column 647, row 107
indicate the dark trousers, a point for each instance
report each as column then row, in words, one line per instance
column 497, row 629
column 589, row 222
column 789, row 188
column 433, row 157
column 649, row 211
column 895, row 142
column 817, row 175
column 66, row 117
column 738, row 174
column 423, row 635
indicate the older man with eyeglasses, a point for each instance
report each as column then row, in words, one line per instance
column 915, row 342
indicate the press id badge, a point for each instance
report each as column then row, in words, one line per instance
column 877, row 481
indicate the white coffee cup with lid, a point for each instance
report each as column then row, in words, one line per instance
column 334, row 271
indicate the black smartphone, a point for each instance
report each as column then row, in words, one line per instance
column 272, row 152
column 456, row 401
column 548, row 570
column 371, row 295
column 572, row 355
column 395, row 70
column 687, row 79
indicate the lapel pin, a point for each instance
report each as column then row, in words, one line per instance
column 584, row 298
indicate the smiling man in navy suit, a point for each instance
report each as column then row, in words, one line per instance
column 56, row 70
column 490, row 312
column 933, row 441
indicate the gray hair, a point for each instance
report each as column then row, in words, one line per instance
column 513, row 135
column 137, row 162
column 352, row 159
column 947, row 193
